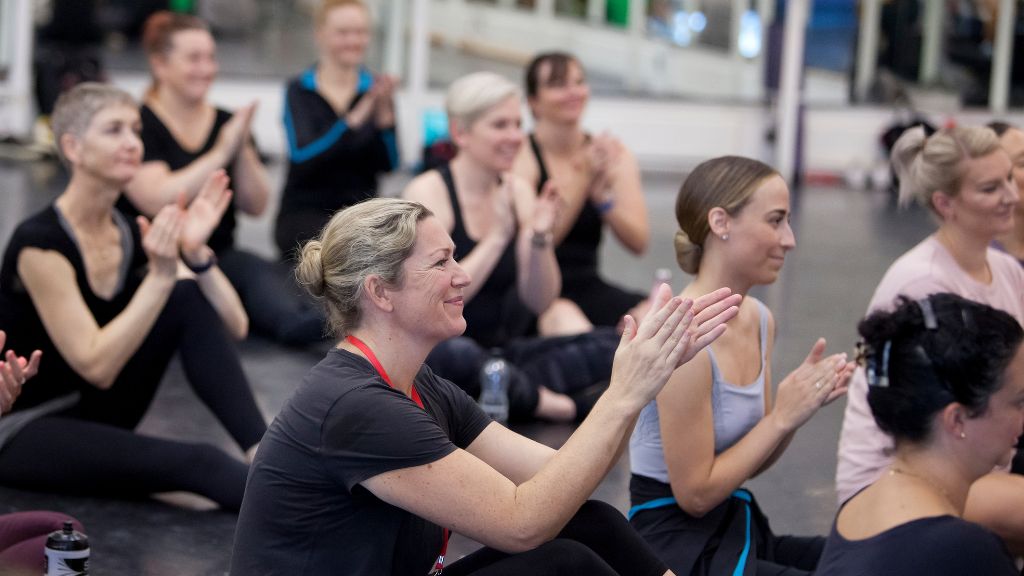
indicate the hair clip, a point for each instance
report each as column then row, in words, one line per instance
column 965, row 315
column 930, row 322
column 878, row 372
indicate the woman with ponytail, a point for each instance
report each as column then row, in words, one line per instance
column 965, row 177
column 715, row 426
column 945, row 380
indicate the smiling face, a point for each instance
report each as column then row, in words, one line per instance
column 109, row 149
column 189, row 66
column 985, row 204
column 760, row 234
column 1012, row 142
column 994, row 433
column 494, row 138
column 429, row 302
column 344, row 35
column 560, row 100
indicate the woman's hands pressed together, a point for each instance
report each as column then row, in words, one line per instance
column 671, row 335
column 816, row 382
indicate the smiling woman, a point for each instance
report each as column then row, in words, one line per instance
column 109, row 302
column 503, row 233
column 375, row 459
column 965, row 177
column 1012, row 140
column 714, row 426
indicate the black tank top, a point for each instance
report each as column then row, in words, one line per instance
column 578, row 250
column 494, row 313
column 159, row 144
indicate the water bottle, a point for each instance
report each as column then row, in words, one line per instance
column 494, row 390
column 67, row 552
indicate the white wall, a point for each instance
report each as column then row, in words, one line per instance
column 664, row 134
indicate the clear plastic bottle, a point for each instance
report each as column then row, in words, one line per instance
column 494, row 378
column 67, row 552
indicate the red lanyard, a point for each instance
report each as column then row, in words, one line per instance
column 439, row 564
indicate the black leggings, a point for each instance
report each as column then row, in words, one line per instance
column 277, row 306
column 597, row 542
column 91, row 448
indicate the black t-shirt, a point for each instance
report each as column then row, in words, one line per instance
column 305, row 511
column 159, row 144
column 936, row 546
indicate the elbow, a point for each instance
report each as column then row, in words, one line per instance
column 693, row 502
column 98, row 375
column 639, row 247
column 526, row 538
column 239, row 329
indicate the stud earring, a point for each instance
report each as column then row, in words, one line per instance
column 963, row 435
column 724, row 236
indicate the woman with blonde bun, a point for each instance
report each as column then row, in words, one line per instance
column 375, row 459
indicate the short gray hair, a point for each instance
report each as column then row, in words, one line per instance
column 75, row 109
column 373, row 237
column 471, row 96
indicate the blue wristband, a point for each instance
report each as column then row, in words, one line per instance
column 604, row 207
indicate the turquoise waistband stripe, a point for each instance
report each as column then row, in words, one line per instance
column 740, row 493
column 658, row 503
column 746, row 545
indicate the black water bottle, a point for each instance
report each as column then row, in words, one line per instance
column 67, row 552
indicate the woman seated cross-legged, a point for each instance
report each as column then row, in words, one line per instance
column 375, row 459
column 945, row 380
column 109, row 301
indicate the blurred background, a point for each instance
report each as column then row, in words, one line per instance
column 677, row 80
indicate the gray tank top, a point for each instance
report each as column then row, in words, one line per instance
column 734, row 411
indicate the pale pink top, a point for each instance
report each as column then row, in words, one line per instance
column 926, row 269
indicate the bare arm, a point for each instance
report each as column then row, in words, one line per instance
column 99, row 354
column 156, row 185
column 512, row 455
column 430, row 191
column 617, row 190
column 701, row 480
column 538, row 278
column 474, row 498
column 251, row 183
column 201, row 217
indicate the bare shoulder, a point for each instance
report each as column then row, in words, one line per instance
column 429, row 189
column 43, row 264
column 525, row 164
column 688, row 382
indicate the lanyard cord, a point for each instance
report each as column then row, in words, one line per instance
column 439, row 564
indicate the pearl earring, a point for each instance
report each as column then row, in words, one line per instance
column 725, row 236
column 963, row 435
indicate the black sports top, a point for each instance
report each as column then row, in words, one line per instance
column 161, row 145
column 489, row 312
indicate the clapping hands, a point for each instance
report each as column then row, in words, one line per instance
column 14, row 371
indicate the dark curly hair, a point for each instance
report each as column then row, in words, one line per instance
column 921, row 361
